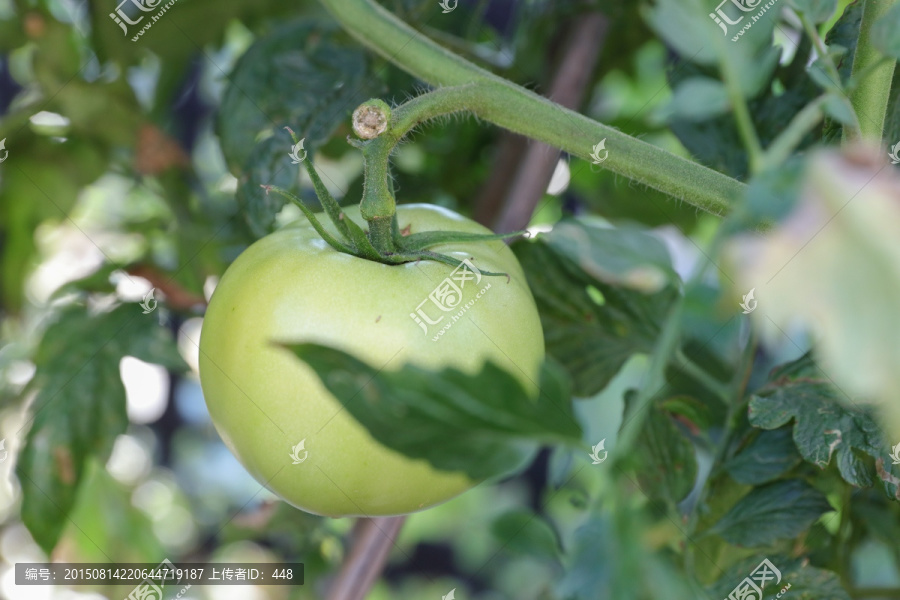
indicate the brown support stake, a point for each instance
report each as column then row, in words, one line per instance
column 371, row 543
column 568, row 88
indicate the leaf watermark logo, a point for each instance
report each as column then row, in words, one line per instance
column 296, row 158
column 751, row 588
column 149, row 303
column 296, row 452
column 595, row 452
column 595, row 153
column 448, row 7
column 894, row 153
column 3, row 151
column 895, row 454
column 447, row 298
column 748, row 303
column 450, row 595
column 4, row 453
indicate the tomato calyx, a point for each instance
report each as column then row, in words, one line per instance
column 384, row 241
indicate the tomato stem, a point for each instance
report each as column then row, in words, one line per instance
column 383, row 242
column 513, row 107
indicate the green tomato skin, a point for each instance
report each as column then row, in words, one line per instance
column 292, row 287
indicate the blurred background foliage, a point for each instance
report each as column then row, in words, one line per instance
column 137, row 165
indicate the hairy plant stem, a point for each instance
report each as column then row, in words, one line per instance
column 512, row 107
column 870, row 97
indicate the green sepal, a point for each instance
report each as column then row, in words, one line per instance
column 311, row 216
column 347, row 226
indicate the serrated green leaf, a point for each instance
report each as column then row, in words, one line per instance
column 79, row 407
column 526, row 533
column 780, row 510
column 592, row 333
column 668, row 465
column 849, row 206
column 823, row 427
column 303, row 76
column 885, row 33
column 484, row 424
column 770, row 455
column 806, row 582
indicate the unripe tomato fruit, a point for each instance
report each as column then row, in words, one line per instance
column 293, row 287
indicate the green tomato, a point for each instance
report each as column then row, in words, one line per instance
column 293, row 287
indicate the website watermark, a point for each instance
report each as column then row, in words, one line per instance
column 751, row 588
column 447, row 298
column 123, row 19
column 894, row 153
column 595, row 452
column 748, row 302
column 725, row 18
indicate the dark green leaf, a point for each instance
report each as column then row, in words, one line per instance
column 526, row 533
column 780, row 510
column 824, row 426
column 79, row 408
column 892, row 118
column 844, row 34
column 770, row 455
column 716, row 141
column 590, row 326
column 484, row 424
column 668, row 466
column 806, row 582
column 300, row 76
column 623, row 256
column 608, row 559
